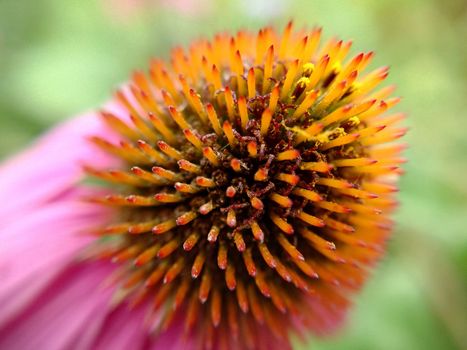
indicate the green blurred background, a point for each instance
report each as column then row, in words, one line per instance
column 59, row 58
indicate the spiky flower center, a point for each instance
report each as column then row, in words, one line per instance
column 255, row 171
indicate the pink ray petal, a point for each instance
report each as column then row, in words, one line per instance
column 50, row 167
column 61, row 312
column 34, row 250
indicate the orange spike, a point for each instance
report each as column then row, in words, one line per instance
column 188, row 166
column 230, row 192
column 192, row 313
column 262, row 285
column 222, row 256
column 168, row 150
column 257, row 232
column 319, row 70
column 164, row 226
column 308, row 133
column 265, row 121
column 290, row 154
column 216, row 307
column 178, row 118
column 147, row 132
column 151, row 152
column 321, row 167
column 252, row 149
column 212, row 116
column 166, row 174
column 213, row 233
column 321, row 245
column 231, row 218
column 146, row 255
column 228, row 131
column 289, row 79
column 335, row 183
column 193, row 139
column 211, row 156
column 306, row 104
column 198, row 264
column 168, row 248
column 268, row 69
column 353, row 192
column 205, row 287
column 230, row 280
column 249, row 263
column 251, row 80
column 242, row 110
column 168, row 197
column 333, row 94
column 216, row 76
column 186, row 218
column 282, row 270
column 339, row 226
column 229, row 101
column 119, row 126
column 191, row 241
column 267, row 256
column 289, row 248
column 239, row 242
column 182, row 292
column 198, row 105
column 186, row 188
column 339, row 141
column 146, row 175
column 156, row 275
column 206, row 208
column 161, row 295
column 274, row 98
column 353, row 162
column 174, row 270
column 281, row 223
column 310, row 219
column 242, row 296
column 235, row 164
column 283, row 201
column 289, row 178
column 257, row 203
column 255, row 305
column 261, row 174
column 284, row 45
column 276, row 297
column 205, row 182
column 306, row 268
column 334, row 207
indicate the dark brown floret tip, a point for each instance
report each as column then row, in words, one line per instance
column 257, row 175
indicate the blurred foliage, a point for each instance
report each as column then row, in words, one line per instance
column 59, row 58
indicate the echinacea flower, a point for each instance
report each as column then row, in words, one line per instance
column 248, row 184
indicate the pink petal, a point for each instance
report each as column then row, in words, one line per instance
column 62, row 312
column 123, row 329
column 50, row 167
column 34, row 250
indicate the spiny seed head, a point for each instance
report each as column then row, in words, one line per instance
column 255, row 184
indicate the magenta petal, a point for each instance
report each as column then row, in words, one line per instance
column 123, row 329
column 61, row 313
column 34, row 250
column 50, row 167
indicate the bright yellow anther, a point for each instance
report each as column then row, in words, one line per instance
column 354, row 121
column 308, row 69
column 303, row 82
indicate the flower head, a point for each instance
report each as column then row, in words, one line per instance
column 254, row 187
column 255, row 181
